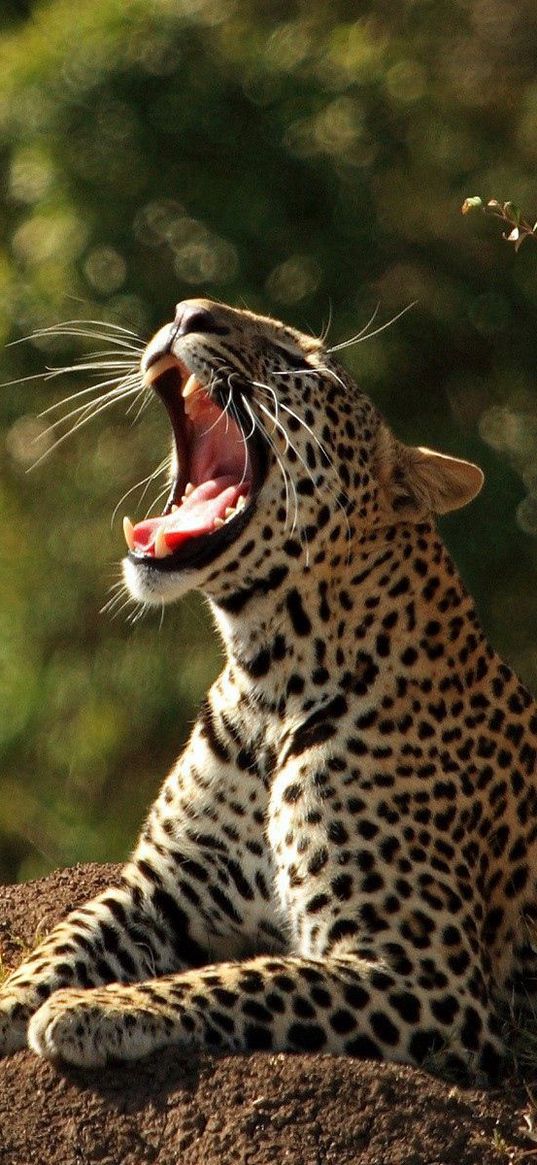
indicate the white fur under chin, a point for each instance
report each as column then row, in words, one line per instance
column 156, row 587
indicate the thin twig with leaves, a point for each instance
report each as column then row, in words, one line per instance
column 509, row 213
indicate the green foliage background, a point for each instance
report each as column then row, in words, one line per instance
column 308, row 159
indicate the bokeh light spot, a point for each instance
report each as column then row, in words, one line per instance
column 31, row 175
column 28, row 439
column 293, row 280
column 105, row 269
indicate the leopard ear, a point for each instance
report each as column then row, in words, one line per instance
column 440, row 482
column 420, row 481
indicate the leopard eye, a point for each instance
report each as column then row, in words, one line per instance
column 292, row 359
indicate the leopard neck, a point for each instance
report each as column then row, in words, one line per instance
column 394, row 612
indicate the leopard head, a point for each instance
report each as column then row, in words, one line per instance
column 273, row 444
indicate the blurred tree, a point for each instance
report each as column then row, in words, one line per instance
column 309, row 160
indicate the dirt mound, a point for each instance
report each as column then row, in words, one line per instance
column 257, row 1110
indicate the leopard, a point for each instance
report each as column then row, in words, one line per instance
column 343, row 859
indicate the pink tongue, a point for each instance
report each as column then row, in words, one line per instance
column 195, row 515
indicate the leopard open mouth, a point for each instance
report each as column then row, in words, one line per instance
column 218, row 477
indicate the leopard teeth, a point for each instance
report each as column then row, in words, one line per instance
column 189, row 396
column 160, row 546
column 189, row 488
column 241, row 502
column 189, row 386
column 128, row 530
column 232, row 511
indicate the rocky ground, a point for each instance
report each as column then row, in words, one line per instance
column 257, row 1110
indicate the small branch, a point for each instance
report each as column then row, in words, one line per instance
column 510, row 214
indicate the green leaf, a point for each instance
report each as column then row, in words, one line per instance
column 469, row 204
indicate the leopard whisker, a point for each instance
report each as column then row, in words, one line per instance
column 121, row 390
column 142, row 609
column 113, row 610
column 299, row 419
column 54, row 373
column 95, row 362
column 229, row 410
column 93, row 388
column 270, row 392
column 47, row 375
column 112, row 606
column 87, row 329
column 121, row 601
column 145, row 481
column 290, row 444
column 161, row 494
column 224, row 413
column 326, row 329
column 144, row 397
column 238, row 421
column 364, row 334
column 286, row 476
column 106, row 403
column 66, row 325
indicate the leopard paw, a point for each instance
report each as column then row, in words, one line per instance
column 15, row 1011
column 91, row 1028
column 65, row 1028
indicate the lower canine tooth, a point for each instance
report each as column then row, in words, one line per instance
column 189, row 488
column 128, row 530
column 232, row 511
column 160, row 546
column 218, row 522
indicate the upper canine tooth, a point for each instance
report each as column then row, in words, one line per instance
column 156, row 369
column 189, row 386
column 128, row 530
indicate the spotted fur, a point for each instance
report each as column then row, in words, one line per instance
column 343, row 859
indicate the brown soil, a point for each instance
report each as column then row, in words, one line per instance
column 257, row 1110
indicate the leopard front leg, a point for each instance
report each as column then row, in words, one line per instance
column 101, row 942
column 290, row 1004
column 172, row 909
column 127, row 934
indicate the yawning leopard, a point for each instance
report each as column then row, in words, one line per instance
column 343, row 858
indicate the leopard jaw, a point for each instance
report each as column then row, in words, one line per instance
column 161, row 548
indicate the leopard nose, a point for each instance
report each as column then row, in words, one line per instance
column 190, row 317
